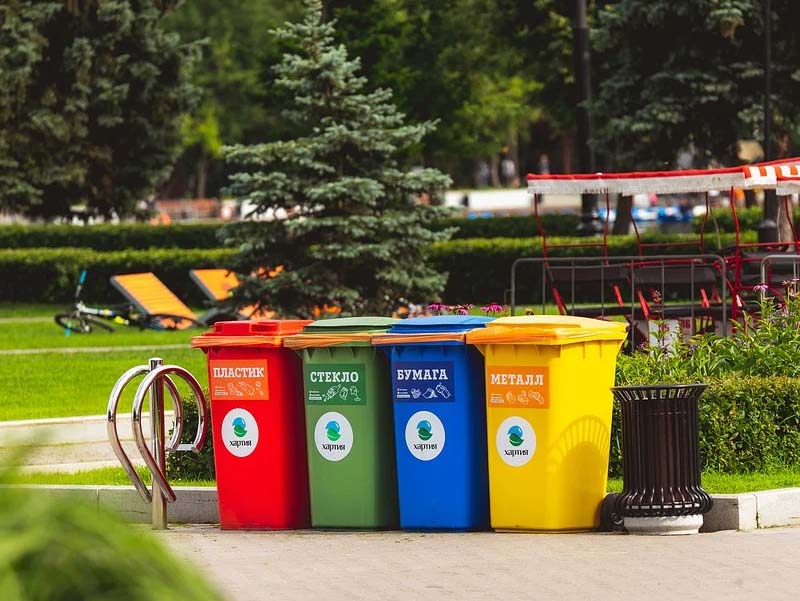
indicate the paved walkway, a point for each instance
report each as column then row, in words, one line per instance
column 71, row 444
column 725, row 566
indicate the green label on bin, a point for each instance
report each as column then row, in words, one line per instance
column 342, row 384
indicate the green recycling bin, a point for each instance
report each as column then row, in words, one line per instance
column 349, row 423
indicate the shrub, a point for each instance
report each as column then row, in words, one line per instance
column 111, row 237
column 748, row 220
column 747, row 424
column 192, row 466
column 49, row 275
column 62, row 548
column 479, row 268
column 138, row 236
column 518, row 226
column 750, row 412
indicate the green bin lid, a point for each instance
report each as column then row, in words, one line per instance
column 345, row 325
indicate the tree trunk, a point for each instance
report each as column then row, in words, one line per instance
column 202, row 176
column 785, row 233
column 622, row 224
column 494, row 167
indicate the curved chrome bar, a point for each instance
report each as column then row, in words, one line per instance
column 159, row 477
column 113, row 434
column 202, row 411
column 177, row 431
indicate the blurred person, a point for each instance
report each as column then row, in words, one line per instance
column 543, row 167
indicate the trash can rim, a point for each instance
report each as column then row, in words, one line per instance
column 661, row 386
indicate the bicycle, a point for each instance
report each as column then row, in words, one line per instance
column 83, row 319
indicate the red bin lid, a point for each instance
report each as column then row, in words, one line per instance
column 268, row 332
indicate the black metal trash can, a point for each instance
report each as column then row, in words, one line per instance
column 660, row 459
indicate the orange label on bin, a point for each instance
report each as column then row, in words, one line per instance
column 518, row 387
column 238, row 379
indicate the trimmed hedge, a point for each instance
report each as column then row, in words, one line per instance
column 110, row 237
column 140, row 236
column 50, row 274
column 748, row 220
column 747, row 424
column 124, row 236
column 521, row 226
column 480, row 269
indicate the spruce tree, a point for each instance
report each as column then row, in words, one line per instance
column 341, row 211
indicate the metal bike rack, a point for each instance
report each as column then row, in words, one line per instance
column 157, row 376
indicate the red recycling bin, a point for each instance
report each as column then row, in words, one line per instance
column 258, row 424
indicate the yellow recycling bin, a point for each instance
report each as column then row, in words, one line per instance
column 548, row 414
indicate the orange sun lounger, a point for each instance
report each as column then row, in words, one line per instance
column 150, row 296
column 217, row 284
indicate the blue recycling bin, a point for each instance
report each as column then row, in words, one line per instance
column 440, row 423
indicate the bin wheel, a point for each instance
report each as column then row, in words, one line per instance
column 609, row 519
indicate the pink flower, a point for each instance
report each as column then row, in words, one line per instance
column 492, row 308
column 760, row 288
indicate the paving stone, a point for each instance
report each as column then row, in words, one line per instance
column 723, row 566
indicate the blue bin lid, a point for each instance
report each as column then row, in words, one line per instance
column 439, row 323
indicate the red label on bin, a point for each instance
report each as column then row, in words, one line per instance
column 238, row 379
column 519, row 387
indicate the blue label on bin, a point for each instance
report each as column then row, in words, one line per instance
column 428, row 381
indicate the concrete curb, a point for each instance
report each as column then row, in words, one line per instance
column 198, row 505
column 194, row 504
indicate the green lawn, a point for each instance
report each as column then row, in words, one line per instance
column 18, row 310
column 53, row 384
column 713, row 483
column 65, row 384
column 737, row 483
column 103, row 476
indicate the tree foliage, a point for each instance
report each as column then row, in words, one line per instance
column 690, row 75
column 91, row 98
column 237, row 104
column 352, row 236
column 451, row 61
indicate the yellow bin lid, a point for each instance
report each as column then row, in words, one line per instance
column 547, row 330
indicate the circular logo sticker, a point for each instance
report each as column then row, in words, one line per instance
column 425, row 435
column 516, row 441
column 333, row 436
column 240, row 432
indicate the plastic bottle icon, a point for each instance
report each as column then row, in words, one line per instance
column 443, row 390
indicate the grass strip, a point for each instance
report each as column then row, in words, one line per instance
column 714, row 483
column 105, row 476
column 721, row 484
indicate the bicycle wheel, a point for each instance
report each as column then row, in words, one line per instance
column 167, row 321
column 81, row 324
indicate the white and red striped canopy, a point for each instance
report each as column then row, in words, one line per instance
column 764, row 175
